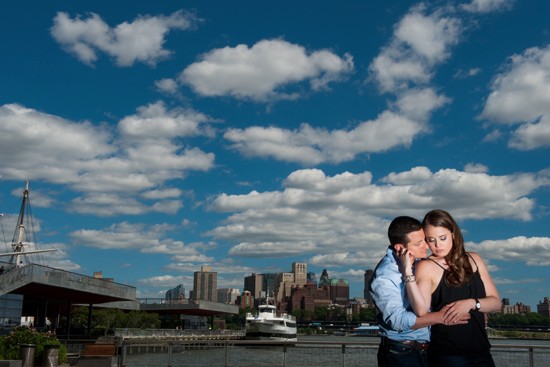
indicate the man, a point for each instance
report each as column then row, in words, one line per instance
column 404, row 336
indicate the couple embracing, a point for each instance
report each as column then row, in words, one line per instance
column 432, row 312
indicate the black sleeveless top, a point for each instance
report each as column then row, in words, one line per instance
column 467, row 339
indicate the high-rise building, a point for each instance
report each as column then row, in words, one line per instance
column 175, row 294
column 543, row 308
column 269, row 284
column 324, row 280
column 312, row 278
column 228, row 295
column 284, row 285
column 205, row 284
column 339, row 291
column 254, row 284
column 246, row 300
column 308, row 297
column 300, row 273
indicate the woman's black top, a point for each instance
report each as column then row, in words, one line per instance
column 467, row 339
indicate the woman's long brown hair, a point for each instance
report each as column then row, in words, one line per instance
column 460, row 270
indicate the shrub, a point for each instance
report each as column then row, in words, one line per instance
column 10, row 344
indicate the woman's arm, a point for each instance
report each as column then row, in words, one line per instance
column 490, row 303
column 419, row 291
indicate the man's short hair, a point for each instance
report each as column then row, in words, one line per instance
column 400, row 227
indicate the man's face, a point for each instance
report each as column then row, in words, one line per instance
column 417, row 244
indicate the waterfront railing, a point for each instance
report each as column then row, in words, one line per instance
column 248, row 353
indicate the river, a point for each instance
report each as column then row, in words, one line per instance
column 319, row 351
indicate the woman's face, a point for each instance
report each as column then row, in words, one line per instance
column 439, row 239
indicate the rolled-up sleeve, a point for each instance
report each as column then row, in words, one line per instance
column 389, row 298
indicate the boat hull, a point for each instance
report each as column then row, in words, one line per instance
column 268, row 331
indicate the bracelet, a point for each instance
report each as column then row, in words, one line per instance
column 410, row 279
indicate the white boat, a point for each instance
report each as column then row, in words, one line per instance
column 268, row 324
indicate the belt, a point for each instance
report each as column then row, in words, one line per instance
column 421, row 346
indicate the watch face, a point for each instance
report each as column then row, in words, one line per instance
column 478, row 306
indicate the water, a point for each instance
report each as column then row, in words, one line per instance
column 318, row 351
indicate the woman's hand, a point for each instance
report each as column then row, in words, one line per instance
column 458, row 311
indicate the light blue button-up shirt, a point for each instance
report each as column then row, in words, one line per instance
column 396, row 317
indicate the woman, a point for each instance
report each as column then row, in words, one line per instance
column 451, row 276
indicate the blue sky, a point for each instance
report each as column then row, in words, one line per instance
column 162, row 136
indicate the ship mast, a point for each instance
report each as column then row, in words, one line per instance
column 17, row 244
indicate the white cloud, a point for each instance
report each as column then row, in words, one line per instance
column 348, row 214
column 419, row 43
column 310, row 146
column 534, row 251
column 142, row 40
column 532, row 135
column 429, row 37
column 521, row 95
column 166, row 281
column 166, row 85
column 485, row 6
column 261, row 72
column 418, row 103
column 108, row 168
column 476, row 168
column 521, row 92
column 345, row 258
column 149, row 239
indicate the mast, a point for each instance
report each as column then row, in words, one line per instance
column 17, row 243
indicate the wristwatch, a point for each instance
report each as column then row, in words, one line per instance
column 478, row 305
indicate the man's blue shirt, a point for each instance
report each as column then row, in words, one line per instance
column 396, row 317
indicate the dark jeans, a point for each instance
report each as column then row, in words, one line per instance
column 447, row 360
column 395, row 354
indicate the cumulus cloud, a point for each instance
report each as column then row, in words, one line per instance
column 167, row 281
column 532, row 135
column 420, row 41
column 310, row 146
column 141, row 40
column 418, row 103
column 262, row 72
column 534, row 251
column 348, row 213
column 521, row 95
column 107, row 166
column 143, row 238
column 476, row 168
column 485, row 6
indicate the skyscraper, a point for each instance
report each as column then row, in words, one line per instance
column 205, row 284
column 254, row 284
column 175, row 294
column 300, row 273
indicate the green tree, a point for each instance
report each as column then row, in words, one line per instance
column 10, row 343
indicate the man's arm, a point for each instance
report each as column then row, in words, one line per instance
column 388, row 298
column 432, row 318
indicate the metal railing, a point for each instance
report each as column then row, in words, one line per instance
column 248, row 353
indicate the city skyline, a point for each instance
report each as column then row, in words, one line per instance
column 162, row 137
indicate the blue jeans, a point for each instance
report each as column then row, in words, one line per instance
column 447, row 360
column 394, row 354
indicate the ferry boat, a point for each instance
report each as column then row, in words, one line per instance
column 268, row 324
